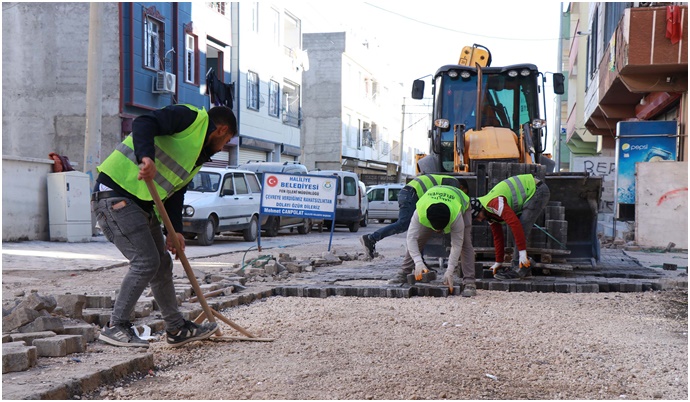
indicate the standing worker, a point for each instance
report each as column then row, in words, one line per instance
column 522, row 195
column 407, row 199
column 167, row 146
column 442, row 209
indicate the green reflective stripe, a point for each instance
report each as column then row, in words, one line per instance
column 171, row 164
column 433, row 180
column 421, row 183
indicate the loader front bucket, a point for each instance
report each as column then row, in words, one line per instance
column 579, row 193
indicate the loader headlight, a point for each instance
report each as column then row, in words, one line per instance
column 442, row 123
column 525, row 73
column 465, row 75
column 512, row 73
column 538, row 123
column 188, row 210
column 453, row 74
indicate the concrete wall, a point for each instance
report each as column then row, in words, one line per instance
column 44, row 64
column 44, row 68
column 25, row 199
column 322, row 101
column 661, row 207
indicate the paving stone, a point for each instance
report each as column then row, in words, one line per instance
column 99, row 301
column 16, row 356
column 317, row 292
column 18, row 317
column 563, row 287
column 499, row 285
column 72, row 305
column 37, row 302
column 587, row 288
column 43, row 323
column 60, row 345
column 29, row 337
column 520, row 286
column 87, row 331
column 543, row 287
column 6, row 338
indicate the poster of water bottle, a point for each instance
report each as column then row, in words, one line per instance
column 641, row 141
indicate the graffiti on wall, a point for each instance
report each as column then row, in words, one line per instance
column 604, row 167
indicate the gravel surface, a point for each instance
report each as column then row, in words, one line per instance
column 497, row 345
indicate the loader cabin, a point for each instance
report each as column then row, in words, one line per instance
column 510, row 106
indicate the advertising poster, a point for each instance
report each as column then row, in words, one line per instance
column 641, row 141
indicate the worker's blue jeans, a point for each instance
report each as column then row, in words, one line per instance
column 530, row 213
column 138, row 235
column 407, row 200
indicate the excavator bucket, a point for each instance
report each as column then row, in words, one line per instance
column 579, row 193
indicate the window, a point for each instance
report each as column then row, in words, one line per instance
column 152, row 43
column 219, row 6
column 393, row 194
column 377, row 194
column 594, row 34
column 252, row 90
column 273, row 99
column 240, row 185
column 191, row 59
column 292, row 33
column 291, row 103
column 253, row 183
column 350, row 186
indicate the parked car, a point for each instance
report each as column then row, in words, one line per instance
column 271, row 224
column 383, row 202
column 221, row 200
column 364, row 202
column 348, row 210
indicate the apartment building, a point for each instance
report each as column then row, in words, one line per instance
column 352, row 111
column 245, row 55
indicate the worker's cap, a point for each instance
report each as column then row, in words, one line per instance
column 476, row 207
column 438, row 215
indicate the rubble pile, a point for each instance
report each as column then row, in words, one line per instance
column 37, row 325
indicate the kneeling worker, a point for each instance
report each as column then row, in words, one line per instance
column 442, row 209
column 522, row 195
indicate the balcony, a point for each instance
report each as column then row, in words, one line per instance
column 639, row 63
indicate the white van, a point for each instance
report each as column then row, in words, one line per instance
column 348, row 210
column 383, row 202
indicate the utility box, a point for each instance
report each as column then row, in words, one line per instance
column 69, row 210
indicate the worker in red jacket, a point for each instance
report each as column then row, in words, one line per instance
column 517, row 201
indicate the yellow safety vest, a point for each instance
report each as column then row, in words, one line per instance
column 422, row 184
column 453, row 197
column 516, row 189
column 175, row 158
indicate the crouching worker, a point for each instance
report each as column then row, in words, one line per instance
column 169, row 147
column 442, row 209
column 521, row 195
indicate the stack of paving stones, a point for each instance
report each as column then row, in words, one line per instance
column 43, row 326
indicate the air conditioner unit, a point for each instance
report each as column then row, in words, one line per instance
column 164, row 82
